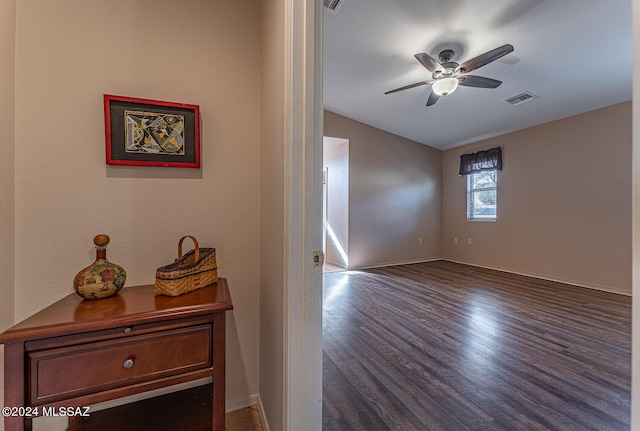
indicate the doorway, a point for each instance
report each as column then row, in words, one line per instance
column 335, row 204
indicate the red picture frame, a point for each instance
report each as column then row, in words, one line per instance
column 143, row 132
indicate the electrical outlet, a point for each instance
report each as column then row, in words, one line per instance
column 469, row 241
column 455, row 240
column 420, row 240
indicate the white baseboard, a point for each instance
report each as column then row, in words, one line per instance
column 253, row 400
column 541, row 277
column 405, row 262
column 263, row 416
column 232, row 406
column 525, row 274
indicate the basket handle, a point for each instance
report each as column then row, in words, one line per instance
column 195, row 243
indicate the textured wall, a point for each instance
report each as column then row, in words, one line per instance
column 7, row 196
column 7, row 181
column 564, row 202
column 69, row 53
column 272, row 240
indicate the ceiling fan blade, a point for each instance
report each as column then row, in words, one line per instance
column 433, row 98
column 406, row 87
column 478, row 81
column 486, row 58
column 428, row 62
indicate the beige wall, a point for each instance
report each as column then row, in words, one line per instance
column 272, row 239
column 70, row 52
column 564, row 202
column 394, row 195
column 7, row 181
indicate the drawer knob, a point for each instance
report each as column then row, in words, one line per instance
column 127, row 330
column 128, row 363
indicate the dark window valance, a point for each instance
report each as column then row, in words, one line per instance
column 486, row 160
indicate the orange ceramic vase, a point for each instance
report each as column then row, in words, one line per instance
column 102, row 278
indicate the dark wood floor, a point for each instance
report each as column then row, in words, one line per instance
column 444, row 346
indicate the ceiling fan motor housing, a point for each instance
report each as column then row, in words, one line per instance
column 449, row 66
column 446, row 55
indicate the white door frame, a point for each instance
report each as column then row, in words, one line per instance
column 303, row 216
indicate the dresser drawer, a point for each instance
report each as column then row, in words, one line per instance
column 61, row 373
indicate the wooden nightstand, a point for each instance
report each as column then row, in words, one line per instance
column 75, row 353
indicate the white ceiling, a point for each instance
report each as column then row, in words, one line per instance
column 576, row 55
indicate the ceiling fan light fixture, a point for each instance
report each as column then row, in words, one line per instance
column 445, row 86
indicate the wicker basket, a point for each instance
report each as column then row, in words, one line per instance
column 192, row 271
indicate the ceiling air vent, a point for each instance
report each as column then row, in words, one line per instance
column 521, row 99
column 333, row 5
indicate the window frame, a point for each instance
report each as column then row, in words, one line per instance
column 471, row 191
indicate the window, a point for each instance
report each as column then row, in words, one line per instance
column 481, row 170
column 482, row 193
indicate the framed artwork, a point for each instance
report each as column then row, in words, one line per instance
column 141, row 132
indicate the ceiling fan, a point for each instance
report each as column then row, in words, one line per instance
column 446, row 75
